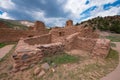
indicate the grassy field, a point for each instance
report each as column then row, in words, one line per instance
column 61, row 59
column 114, row 38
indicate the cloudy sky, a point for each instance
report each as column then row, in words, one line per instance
column 56, row 12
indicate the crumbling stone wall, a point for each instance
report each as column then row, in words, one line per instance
column 88, row 32
column 85, row 44
column 26, row 55
column 69, row 23
column 43, row 39
column 101, row 48
column 32, row 49
column 96, row 47
column 59, row 34
column 75, row 42
column 10, row 35
column 39, row 26
column 2, row 25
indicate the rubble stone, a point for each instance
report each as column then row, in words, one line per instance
column 42, row 72
column 45, row 66
column 37, row 71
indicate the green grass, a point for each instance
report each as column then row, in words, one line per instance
column 61, row 59
column 112, row 44
column 113, row 54
column 7, row 55
column 2, row 45
column 6, row 43
column 93, row 70
column 14, row 24
column 114, row 38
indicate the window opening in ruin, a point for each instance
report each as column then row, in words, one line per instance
column 61, row 33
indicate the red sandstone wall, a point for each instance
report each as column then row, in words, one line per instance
column 88, row 32
column 85, row 44
column 2, row 25
column 43, row 39
column 58, row 34
column 76, row 42
column 10, row 35
column 101, row 48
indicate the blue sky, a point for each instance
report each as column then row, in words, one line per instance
column 56, row 12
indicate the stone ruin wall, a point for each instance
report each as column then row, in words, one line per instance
column 96, row 47
column 27, row 55
column 43, row 39
column 31, row 50
column 11, row 35
column 74, row 41
column 101, row 48
column 69, row 23
column 59, row 34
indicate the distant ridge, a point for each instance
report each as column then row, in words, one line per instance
column 15, row 24
column 109, row 23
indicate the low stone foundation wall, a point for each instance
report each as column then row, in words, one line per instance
column 31, row 50
column 96, row 47
column 101, row 48
column 86, row 44
column 52, row 49
column 27, row 55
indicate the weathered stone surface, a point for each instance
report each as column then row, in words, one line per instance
column 9, row 34
column 45, row 66
column 37, row 71
column 42, row 72
column 101, row 48
column 25, row 56
column 69, row 23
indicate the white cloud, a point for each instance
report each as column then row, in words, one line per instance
column 40, row 15
column 7, row 4
column 101, row 12
column 76, row 7
column 5, row 16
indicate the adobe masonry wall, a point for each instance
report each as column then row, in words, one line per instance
column 75, row 42
column 101, row 48
column 96, row 47
column 10, row 35
column 43, row 39
column 59, row 34
column 26, row 55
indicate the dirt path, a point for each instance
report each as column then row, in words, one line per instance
column 5, row 50
column 115, row 75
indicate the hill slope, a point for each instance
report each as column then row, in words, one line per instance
column 12, row 24
column 109, row 23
